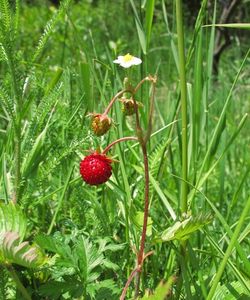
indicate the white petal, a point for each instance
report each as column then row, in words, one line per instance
column 137, row 61
column 125, row 64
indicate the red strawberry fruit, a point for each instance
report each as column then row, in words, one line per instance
column 96, row 168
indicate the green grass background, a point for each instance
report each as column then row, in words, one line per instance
column 47, row 90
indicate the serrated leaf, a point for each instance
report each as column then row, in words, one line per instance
column 230, row 291
column 181, row 230
column 12, row 219
column 105, row 244
column 54, row 289
column 103, row 290
column 54, row 245
column 23, row 254
column 110, row 265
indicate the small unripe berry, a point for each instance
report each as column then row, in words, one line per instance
column 128, row 106
column 100, row 124
column 96, row 168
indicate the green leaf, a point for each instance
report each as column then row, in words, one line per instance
column 181, row 230
column 138, row 221
column 55, row 289
column 5, row 16
column 49, row 28
column 12, row 230
column 230, row 291
column 140, row 30
column 231, row 25
column 161, row 291
column 23, row 254
column 88, row 258
column 54, row 245
column 149, row 18
column 104, row 290
column 33, row 159
column 12, row 219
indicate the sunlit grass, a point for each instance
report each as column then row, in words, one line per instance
column 52, row 77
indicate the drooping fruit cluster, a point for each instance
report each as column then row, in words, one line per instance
column 96, row 168
column 100, row 124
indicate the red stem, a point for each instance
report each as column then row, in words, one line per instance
column 146, row 204
column 114, row 99
column 126, row 138
column 131, row 276
column 146, row 195
column 140, row 83
column 143, row 143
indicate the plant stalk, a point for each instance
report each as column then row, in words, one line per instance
column 17, row 153
column 140, row 257
column 17, row 137
column 143, row 143
column 183, row 85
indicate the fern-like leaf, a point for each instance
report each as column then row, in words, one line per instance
column 156, row 157
column 49, row 28
column 7, row 103
column 5, row 15
column 3, row 54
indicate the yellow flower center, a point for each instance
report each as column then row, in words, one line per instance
column 128, row 57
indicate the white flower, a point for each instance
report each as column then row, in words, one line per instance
column 127, row 61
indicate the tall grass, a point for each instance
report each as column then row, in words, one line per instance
column 56, row 68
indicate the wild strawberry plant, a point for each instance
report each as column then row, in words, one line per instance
column 157, row 154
